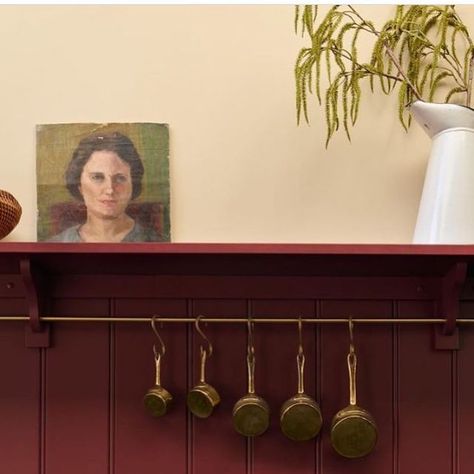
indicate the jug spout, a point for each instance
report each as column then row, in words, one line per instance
column 436, row 118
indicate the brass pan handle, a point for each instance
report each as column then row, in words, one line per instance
column 300, row 363
column 352, row 365
column 250, row 357
column 251, row 372
column 158, row 370
column 202, row 377
column 300, row 358
column 158, row 354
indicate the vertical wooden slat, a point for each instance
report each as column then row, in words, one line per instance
column 251, row 339
column 395, row 394
column 77, row 388
column 144, row 444
column 454, row 413
column 425, row 397
column 374, row 381
column 42, row 409
column 112, row 396
column 465, row 412
column 318, row 387
column 216, row 446
column 276, row 346
column 189, row 376
column 19, row 397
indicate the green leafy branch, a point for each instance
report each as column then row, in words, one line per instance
column 417, row 52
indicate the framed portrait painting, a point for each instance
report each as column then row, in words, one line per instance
column 103, row 182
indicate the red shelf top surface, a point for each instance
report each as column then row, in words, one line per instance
column 236, row 248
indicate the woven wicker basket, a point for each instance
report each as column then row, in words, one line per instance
column 10, row 213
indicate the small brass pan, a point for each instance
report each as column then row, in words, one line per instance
column 353, row 429
column 251, row 414
column 203, row 398
column 157, row 400
column 300, row 416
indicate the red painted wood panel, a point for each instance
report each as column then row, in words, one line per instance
column 425, row 397
column 244, row 287
column 77, row 393
column 225, row 371
column 141, row 443
column 464, row 403
column 20, row 390
column 373, row 345
column 20, row 438
column 276, row 346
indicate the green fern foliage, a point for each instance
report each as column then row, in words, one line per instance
column 424, row 51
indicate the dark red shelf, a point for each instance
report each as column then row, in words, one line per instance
column 237, row 259
column 75, row 406
column 237, row 248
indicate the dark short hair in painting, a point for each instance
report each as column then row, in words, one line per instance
column 114, row 142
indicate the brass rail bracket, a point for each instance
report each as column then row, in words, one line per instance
column 37, row 334
column 446, row 337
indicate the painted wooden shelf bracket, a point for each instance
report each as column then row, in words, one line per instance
column 446, row 337
column 37, row 334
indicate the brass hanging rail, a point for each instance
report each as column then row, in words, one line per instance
column 87, row 319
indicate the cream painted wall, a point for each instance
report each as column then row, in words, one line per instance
column 222, row 77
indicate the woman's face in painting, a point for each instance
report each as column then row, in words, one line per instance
column 106, row 185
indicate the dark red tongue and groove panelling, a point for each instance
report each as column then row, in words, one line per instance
column 76, row 407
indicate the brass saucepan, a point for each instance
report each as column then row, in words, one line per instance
column 251, row 414
column 157, row 400
column 203, row 397
column 300, row 416
column 353, row 429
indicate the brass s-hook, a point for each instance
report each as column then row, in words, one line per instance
column 162, row 344
column 203, row 398
column 201, row 333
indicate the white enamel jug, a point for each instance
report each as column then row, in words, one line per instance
column 446, row 211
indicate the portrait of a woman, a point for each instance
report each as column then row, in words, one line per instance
column 104, row 178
